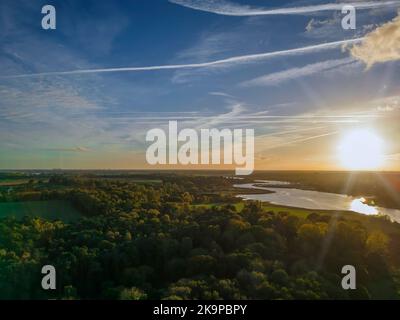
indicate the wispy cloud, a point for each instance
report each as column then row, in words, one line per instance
column 233, row 9
column 210, row 45
column 291, row 142
column 393, row 157
column 386, row 104
column 75, row 149
column 294, row 73
column 221, row 94
column 222, row 62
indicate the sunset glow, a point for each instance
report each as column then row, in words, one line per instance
column 361, row 150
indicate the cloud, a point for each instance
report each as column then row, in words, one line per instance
column 313, row 23
column 232, row 9
column 221, row 94
column 222, row 62
column 35, row 114
column 393, row 157
column 380, row 45
column 385, row 109
column 294, row 73
column 387, row 104
column 210, row 45
column 302, row 140
column 217, row 44
column 330, row 27
column 75, row 149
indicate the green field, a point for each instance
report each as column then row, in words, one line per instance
column 50, row 210
column 298, row 212
column 301, row 213
column 13, row 182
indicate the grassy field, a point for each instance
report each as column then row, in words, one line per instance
column 298, row 212
column 11, row 182
column 50, row 210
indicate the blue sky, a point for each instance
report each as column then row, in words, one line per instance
column 299, row 103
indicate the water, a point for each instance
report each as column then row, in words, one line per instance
column 314, row 200
column 273, row 183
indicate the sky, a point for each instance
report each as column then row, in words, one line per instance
column 84, row 95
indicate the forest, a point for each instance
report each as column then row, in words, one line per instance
column 178, row 237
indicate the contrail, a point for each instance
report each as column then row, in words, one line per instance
column 294, row 73
column 301, row 140
column 222, row 62
column 232, row 9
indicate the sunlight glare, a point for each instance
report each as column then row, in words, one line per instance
column 359, row 205
column 361, row 150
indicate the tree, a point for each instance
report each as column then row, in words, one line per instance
column 132, row 294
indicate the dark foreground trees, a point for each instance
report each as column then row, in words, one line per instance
column 135, row 243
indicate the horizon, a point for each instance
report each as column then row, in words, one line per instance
column 146, row 170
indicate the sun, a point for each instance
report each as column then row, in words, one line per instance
column 361, row 149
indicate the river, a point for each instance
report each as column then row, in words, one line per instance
column 314, row 200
